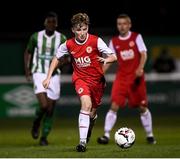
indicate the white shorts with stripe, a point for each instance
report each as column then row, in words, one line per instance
column 53, row 92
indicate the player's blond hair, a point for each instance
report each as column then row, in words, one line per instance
column 124, row 16
column 79, row 19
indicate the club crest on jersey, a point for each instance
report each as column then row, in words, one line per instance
column 80, row 90
column 131, row 43
column 89, row 49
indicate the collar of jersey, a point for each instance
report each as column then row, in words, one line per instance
column 48, row 36
column 125, row 38
column 83, row 42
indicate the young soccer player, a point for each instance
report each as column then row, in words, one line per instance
column 88, row 78
column 41, row 49
column 129, row 83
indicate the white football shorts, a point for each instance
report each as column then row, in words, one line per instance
column 53, row 92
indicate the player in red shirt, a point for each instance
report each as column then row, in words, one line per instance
column 129, row 84
column 85, row 51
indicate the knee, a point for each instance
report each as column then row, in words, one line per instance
column 50, row 108
column 114, row 107
column 50, row 111
column 142, row 109
column 44, row 105
column 86, row 103
column 86, row 106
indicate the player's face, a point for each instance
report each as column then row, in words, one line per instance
column 123, row 26
column 50, row 24
column 80, row 32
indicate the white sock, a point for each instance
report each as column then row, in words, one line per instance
column 146, row 120
column 84, row 121
column 110, row 120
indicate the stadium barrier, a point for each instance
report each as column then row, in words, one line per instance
column 18, row 100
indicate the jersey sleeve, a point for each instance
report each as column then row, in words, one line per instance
column 111, row 46
column 63, row 38
column 62, row 50
column 140, row 44
column 32, row 43
column 103, row 48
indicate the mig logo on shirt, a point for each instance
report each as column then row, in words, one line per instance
column 127, row 54
column 83, row 61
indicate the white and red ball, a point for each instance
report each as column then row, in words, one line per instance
column 124, row 137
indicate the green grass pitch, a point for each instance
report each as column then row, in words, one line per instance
column 15, row 139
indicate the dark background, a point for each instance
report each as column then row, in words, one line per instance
column 149, row 17
column 158, row 22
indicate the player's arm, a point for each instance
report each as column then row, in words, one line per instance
column 143, row 59
column 143, row 56
column 61, row 52
column 110, row 55
column 28, row 55
column 107, row 66
column 109, row 59
column 27, row 59
column 53, row 66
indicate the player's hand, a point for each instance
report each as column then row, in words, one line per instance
column 139, row 72
column 46, row 83
column 28, row 75
column 101, row 59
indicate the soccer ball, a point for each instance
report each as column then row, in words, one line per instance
column 124, row 137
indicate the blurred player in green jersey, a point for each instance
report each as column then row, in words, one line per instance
column 40, row 50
